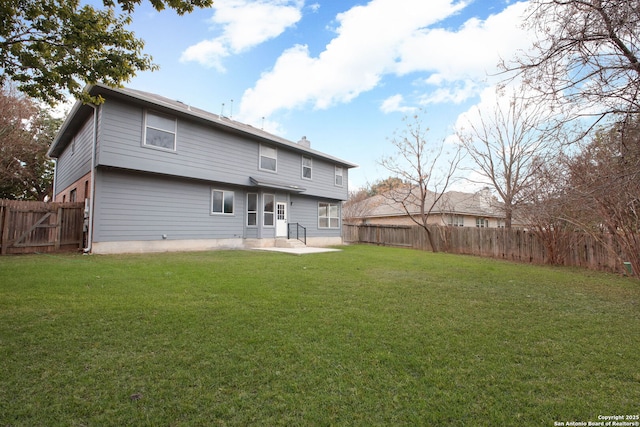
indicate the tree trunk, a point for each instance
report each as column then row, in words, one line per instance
column 508, row 217
column 430, row 238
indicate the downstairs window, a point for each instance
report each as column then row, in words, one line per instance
column 328, row 215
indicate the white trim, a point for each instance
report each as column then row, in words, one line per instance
column 256, row 212
column 273, row 212
column 147, row 126
column 455, row 220
column 224, row 194
column 329, row 217
column 310, row 167
column 281, row 225
column 336, row 175
column 482, row 222
column 261, row 155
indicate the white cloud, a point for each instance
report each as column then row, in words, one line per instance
column 455, row 92
column 461, row 61
column 471, row 51
column 394, row 104
column 245, row 24
column 364, row 50
column 208, row 53
column 389, row 37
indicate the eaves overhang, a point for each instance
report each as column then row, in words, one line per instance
column 258, row 182
column 75, row 119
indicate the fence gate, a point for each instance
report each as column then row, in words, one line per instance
column 28, row 227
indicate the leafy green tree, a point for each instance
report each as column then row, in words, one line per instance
column 26, row 131
column 50, row 47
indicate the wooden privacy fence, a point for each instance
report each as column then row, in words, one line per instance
column 28, row 227
column 574, row 249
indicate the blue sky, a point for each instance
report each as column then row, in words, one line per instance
column 342, row 73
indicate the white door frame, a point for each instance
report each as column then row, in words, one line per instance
column 281, row 219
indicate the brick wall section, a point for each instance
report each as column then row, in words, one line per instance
column 82, row 191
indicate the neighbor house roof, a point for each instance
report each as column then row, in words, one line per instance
column 481, row 203
column 80, row 112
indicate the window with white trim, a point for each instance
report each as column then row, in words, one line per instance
column 252, row 209
column 456, row 220
column 339, row 172
column 160, row 131
column 222, row 202
column 328, row 215
column 268, row 158
column 306, row 167
column 268, row 209
column 482, row 222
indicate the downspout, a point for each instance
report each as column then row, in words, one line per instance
column 55, row 179
column 92, row 185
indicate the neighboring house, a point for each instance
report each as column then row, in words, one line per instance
column 454, row 208
column 160, row 175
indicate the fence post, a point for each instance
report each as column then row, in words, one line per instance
column 5, row 230
column 58, row 229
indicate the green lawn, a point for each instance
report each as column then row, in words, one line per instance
column 367, row 336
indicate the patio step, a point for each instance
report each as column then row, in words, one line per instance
column 289, row 243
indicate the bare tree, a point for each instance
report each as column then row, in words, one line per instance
column 362, row 202
column 605, row 177
column 357, row 206
column 426, row 169
column 586, row 57
column 548, row 207
column 508, row 144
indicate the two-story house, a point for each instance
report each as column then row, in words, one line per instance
column 160, row 175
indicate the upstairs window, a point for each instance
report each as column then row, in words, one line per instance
column 160, row 131
column 306, row 167
column 222, row 202
column 268, row 158
column 339, row 176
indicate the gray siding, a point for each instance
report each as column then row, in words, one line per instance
column 204, row 152
column 322, row 182
column 305, row 212
column 133, row 206
column 75, row 161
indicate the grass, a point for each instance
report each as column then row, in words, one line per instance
column 367, row 336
